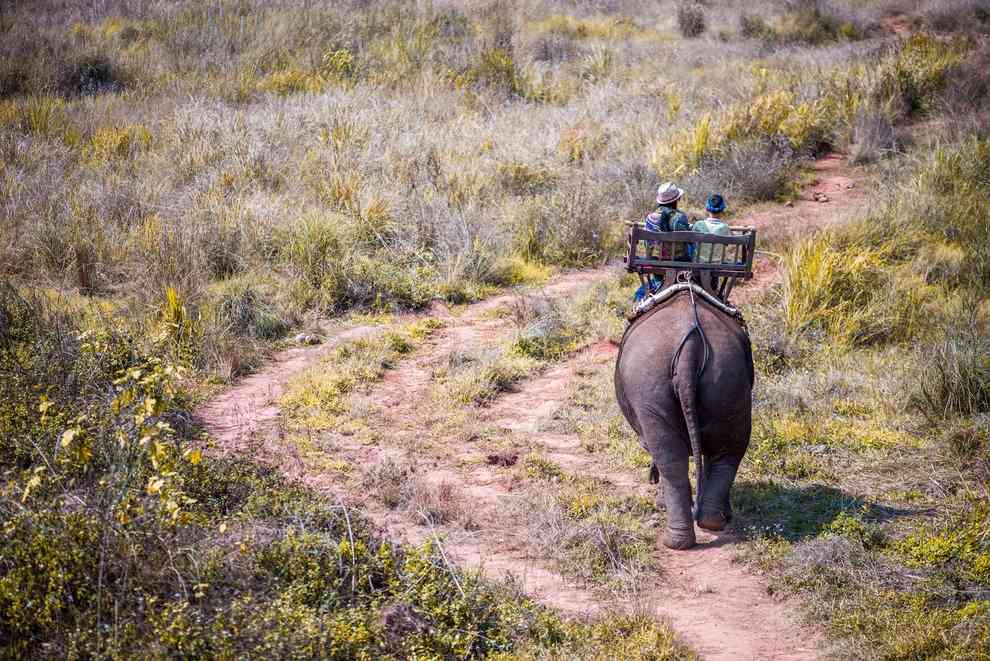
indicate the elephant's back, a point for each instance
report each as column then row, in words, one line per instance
column 650, row 342
column 647, row 388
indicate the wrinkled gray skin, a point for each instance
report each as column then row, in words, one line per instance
column 716, row 409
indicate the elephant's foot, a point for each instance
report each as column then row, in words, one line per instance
column 713, row 522
column 678, row 540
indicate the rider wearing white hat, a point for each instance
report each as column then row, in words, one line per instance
column 668, row 193
column 666, row 218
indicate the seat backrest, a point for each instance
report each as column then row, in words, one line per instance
column 735, row 255
column 717, row 260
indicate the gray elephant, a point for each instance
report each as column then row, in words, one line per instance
column 684, row 381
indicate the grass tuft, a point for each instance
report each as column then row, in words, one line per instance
column 691, row 20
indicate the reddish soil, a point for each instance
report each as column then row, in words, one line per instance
column 832, row 198
column 716, row 605
column 898, row 25
column 241, row 412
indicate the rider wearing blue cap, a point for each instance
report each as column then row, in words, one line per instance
column 713, row 224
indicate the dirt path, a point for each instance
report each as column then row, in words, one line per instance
column 241, row 413
column 242, row 417
column 461, row 484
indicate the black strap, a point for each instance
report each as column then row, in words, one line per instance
column 696, row 326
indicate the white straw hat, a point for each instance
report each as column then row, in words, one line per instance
column 668, row 192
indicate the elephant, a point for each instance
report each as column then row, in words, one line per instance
column 684, row 381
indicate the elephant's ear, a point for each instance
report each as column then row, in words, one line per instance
column 654, row 473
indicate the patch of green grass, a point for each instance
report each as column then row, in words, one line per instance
column 861, row 285
column 801, row 446
column 479, row 379
column 542, row 468
column 316, row 398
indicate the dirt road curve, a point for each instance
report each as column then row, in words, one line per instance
column 716, row 605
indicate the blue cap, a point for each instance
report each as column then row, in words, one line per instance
column 715, row 204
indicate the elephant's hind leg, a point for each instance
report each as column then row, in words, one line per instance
column 715, row 511
column 670, row 454
column 677, row 500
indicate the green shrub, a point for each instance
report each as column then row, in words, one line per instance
column 539, row 467
column 331, row 275
column 912, row 76
column 312, row 247
column 242, row 311
column 494, row 70
column 46, row 573
column 954, row 377
column 845, row 525
column 959, row 543
column 691, row 20
column 752, row 26
column 809, row 24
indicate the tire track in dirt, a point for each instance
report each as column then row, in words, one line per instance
column 395, row 403
column 715, row 604
column 733, row 619
column 244, row 413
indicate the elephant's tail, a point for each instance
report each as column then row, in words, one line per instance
column 686, row 386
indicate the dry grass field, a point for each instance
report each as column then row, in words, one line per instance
column 433, row 191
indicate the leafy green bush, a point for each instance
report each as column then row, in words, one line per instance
column 242, row 311
column 691, row 20
column 752, row 26
column 960, row 543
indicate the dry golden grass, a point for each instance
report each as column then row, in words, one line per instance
column 186, row 182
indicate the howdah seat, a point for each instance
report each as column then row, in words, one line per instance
column 715, row 264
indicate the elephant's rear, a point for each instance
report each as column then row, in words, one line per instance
column 684, row 383
column 647, row 379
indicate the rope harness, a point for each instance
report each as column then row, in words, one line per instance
column 696, row 326
column 667, row 293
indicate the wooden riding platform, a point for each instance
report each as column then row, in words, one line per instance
column 730, row 257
